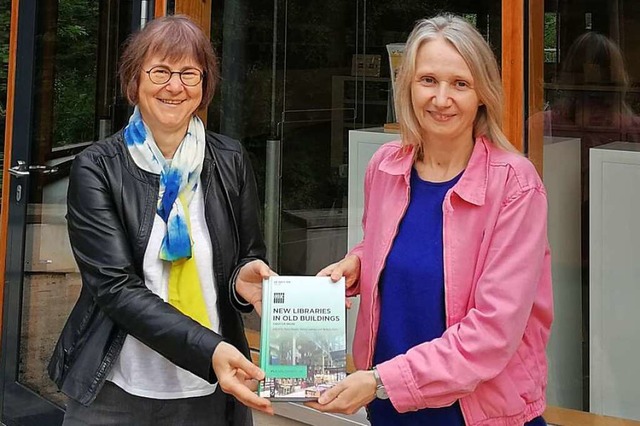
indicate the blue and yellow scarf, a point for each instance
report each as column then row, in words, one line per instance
column 178, row 183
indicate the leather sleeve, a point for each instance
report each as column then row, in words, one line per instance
column 252, row 245
column 102, row 249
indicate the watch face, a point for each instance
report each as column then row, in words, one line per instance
column 381, row 393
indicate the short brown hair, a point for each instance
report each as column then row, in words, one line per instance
column 174, row 38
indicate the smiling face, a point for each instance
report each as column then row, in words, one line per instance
column 442, row 94
column 168, row 107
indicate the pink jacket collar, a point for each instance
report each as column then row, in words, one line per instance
column 472, row 186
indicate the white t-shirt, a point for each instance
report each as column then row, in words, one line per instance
column 141, row 371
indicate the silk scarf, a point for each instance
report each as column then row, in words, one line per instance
column 178, row 182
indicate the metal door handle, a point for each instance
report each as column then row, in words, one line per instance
column 22, row 169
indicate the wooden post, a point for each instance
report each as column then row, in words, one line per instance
column 513, row 70
column 535, row 123
column 161, row 8
column 8, row 139
column 200, row 12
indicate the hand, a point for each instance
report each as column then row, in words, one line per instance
column 349, row 268
column 348, row 396
column 235, row 374
column 249, row 282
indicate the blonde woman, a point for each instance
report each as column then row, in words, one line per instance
column 454, row 267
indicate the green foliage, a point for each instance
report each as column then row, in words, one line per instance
column 550, row 38
column 75, row 69
column 75, row 73
column 5, row 21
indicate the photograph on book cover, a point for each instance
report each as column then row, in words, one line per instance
column 303, row 337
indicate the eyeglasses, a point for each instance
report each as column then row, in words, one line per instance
column 161, row 75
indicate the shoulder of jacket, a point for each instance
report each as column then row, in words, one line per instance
column 522, row 174
column 109, row 147
column 386, row 150
column 221, row 142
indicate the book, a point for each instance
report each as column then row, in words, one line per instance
column 396, row 53
column 302, row 337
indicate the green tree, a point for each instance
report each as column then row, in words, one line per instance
column 75, row 73
column 5, row 21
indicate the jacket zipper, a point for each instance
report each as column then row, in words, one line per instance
column 376, row 281
column 446, row 210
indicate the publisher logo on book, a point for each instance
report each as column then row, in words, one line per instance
column 278, row 297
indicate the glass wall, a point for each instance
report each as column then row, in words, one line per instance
column 296, row 77
column 591, row 99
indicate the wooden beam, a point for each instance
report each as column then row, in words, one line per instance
column 198, row 10
column 535, row 127
column 8, row 139
column 513, row 70
column 161, row 8
column 566, row 417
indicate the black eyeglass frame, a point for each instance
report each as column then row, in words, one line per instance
column 171, row 73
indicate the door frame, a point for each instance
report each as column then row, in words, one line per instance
column 8, row 136
column 19, row 128
column 523, row 75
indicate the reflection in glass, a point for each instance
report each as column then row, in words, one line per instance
column 591, row 98
column 64, row 111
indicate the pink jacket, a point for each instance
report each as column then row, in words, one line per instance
column 498, row 296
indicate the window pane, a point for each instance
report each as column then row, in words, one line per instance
column 591, row 99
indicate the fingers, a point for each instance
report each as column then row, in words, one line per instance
column 348, row 303
column 261, row 269
column 337, row 273
column 331, row 402
column 233, row 371
column 331, row 394
column 252, row 385
column 247, row 368
column 326, row 271
column 246, row 396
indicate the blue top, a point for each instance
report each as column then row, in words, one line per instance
column 412, row 308
column 411, row 288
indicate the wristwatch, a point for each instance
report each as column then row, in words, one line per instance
column 381, row 392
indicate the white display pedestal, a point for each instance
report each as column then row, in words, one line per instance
column 614, row 273
column 362, row 145
column 561, row 176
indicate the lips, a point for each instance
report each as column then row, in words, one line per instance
column 441, row 117
column 171, row 101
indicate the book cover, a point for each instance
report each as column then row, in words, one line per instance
column 302, row 337
column 396, row 53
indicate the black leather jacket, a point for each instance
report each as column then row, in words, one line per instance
column 111, row 208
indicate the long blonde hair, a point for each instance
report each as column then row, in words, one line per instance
column 481, row 62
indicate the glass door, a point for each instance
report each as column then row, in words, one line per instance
column 65, row 98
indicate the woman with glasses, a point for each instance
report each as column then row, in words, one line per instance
column 163, row 220
column 454, row 268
